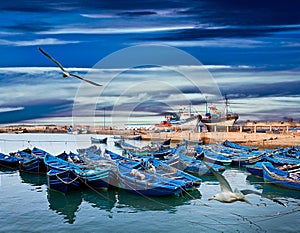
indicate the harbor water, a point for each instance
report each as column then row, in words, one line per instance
column 27, row 205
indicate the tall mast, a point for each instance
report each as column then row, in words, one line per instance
column 226, row 105
column 104, row 118
column 206, row 105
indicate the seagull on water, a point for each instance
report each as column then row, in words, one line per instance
column 228, row 195
column 66, row 73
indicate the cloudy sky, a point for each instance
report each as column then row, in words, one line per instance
column 251, row 50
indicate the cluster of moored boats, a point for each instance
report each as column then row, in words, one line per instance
column 156, row 169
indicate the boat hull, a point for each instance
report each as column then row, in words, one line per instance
column 35, row 165
column 63, row 181
column 280, row 178
column 218, row 123
column 146, row 184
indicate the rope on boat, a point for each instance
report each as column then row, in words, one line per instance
column 96, row 191
column 70, row 182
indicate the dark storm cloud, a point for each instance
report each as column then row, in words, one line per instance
column 262, row 89
column 230, row 32
column 136, row 13
column 246, row 13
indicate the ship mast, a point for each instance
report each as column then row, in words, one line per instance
column 226, row 105
column 206, row 106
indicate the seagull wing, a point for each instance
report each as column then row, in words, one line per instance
column 52, row 59
column 66, row 73
column 249, row 191
column 225, row 186
column 89, row 81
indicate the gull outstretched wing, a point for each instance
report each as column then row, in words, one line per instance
column 249, row 191
column 52, row 59
column 66, row 73
column 89, row 81
column 225, row 186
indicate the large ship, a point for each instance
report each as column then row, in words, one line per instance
column 183, row 120
column 214, row 119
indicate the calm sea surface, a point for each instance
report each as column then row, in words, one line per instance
column 26, row 204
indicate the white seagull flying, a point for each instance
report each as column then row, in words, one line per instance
column 66, row 73
column 227, row 195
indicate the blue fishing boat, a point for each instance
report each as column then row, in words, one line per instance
column 279, row 159
column 160, row 168
column 63, row 180
column 256, row 169
column 99, row 140
column 61, row 175
column 247, row 159
column 136, row 137
column 191, row 164
column 213, row 157
column 69, row 176
column 238, row 157
column 287, row 179
column 230, row 144
column 30, row 162
column 162, row 154
column 9, row 161
column 124, row 145
column 144, row 183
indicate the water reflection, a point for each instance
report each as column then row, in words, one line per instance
column 33, row 178
column 272, row 190
column 143, row 203
column 65, row 204
column 7, row 170
column 101, row 199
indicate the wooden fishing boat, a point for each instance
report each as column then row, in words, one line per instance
column 278, row 159
column 247, row 159
column 63, row 180
column 156, row 154
column 63, row 174
column 144, row 183
column 238, row 157
column 230, row 144
column 257, row 169
column 213, row 157
column 191, row 164
column 9, row 161
column 99, row 140
column 30, row 162
column 160, row 168
column 124, row 145
column 287, row 179
column 136, row 137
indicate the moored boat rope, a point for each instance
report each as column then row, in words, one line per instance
column 70, row 182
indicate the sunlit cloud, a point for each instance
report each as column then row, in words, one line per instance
column 123, row 30
column 47, row 41
column 226, row 43
column 10, row 109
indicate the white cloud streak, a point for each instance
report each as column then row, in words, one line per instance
column 124, row 30
column 10, row 109
column 224, row 43
column 46, row 41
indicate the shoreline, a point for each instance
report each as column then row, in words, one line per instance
column 281, row 136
